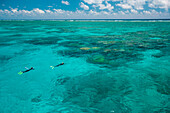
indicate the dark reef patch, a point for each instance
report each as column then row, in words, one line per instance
column 36, row 99
column 43, row 41
column 95, row 90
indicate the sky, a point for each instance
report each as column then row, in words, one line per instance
column 84, row 9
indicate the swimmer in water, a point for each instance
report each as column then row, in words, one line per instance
column 21, row 72
column 57, row 65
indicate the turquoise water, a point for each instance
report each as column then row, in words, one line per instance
column 120, row 67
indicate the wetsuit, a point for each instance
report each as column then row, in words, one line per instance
column 59, row 64
column 28, row 70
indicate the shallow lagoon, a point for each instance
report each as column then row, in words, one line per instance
column 120, row 67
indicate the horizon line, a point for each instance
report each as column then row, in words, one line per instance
column 90, row 19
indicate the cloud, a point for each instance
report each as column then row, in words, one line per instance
column 50, row 6
column 121, row 12
column 94, row 1
column 93, row 12
column 129, row 12
column 1, row 11
column 124, row 6
column 134, row 11
column 25, row 11
column 37, row 10
column 48, row 11
column 59, row 10
column 139, row 4
column 105, row 12
column 108, row 6
column 6, row 11
column 101, row 6
column 65, row 2
column 162, row 4
column 147, row 12
column 85, row 7
column 14, row 10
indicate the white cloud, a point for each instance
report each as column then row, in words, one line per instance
column 154, row 11
column 121, row 12
column 99, row 1
column 1, row 11
column 94, row 1
column 105, row 12
column 127, row 11
column 14, row 10
column 115, row 0
column 6, row 11
column 137, row 4
column 129, row 4
column 124, row 6
column 93, row 12
column 59, row 10
column 131, row 12
column 3, row 4
column 108, row 6
column 147, row 12
column 134, row 11
column 101, row 6
column 114, row 13
column 65, row 2
column 37, row 10
column 85, row 7
column 165, row 4
column 50, row 6
column 48, row 11
column 25, row 11
column 139, row 8
column 151, row 5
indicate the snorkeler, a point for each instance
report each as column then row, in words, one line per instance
column 57, row 65
column 21, row 72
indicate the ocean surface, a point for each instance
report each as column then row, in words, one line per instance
column 109, row 66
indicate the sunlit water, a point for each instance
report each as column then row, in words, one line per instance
column 120, row 67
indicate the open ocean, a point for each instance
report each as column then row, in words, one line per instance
column 119, row 66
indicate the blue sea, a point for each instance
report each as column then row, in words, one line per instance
column 120, row 66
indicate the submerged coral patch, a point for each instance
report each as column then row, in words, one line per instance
column 43, row 41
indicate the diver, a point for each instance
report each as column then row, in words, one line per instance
column 21, row 72
column 57, row 65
